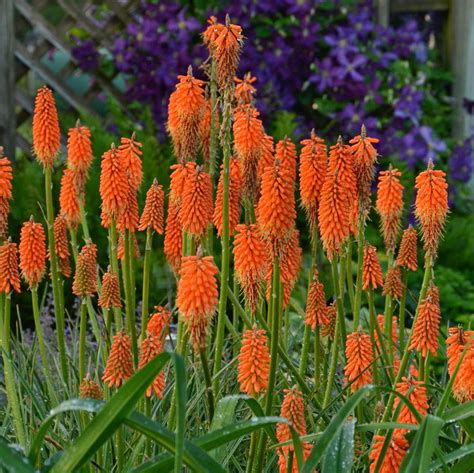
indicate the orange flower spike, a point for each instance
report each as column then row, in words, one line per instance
column 371, row 270
column 6, row 176
column 365, row 157
column 276, row 211
column 110, row 294
column 177, row 181
column 197, row 206
column 254, row 362
column 426, row 329
column 393, row 284
column 431, row 206
column 248, row 143
column 113, row 185
column 393, row 458
column 244, row 90
column 235, row 198
column 359, row 356
column 316, row 310
column 185, row 110
column 267, row 158
column 61, row 245
column 226, row 51
column 313, row 164
column 89, row 389
column 250, row 261
column 329, row 329
column 128, row 218
column 130, row 153
column 389, row 206
column 285, row 152
column 159, row 323
column 68, row 199
column 415, row 391
column 9, row 277
column 46, row 133
column 197, row 296
column 85, row 282
column 292, row 409
column 342, row 162
column 152, row 216
column 151, row 347
column 119, row 365
column 79, row 155
column 407, row 254
column 173, row 236
column 212, row 32
column 32, row 252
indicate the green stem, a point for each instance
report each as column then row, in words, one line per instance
column 129, row 310
column 406, row 352
column 305, row 349
column 85, row 227
column 74, row 247
column 148, row 414
column 227, row 151
column 360, row 260
column 55, row 276
column 401, row 316
column 9, row 377
column 208, row 380
column 113, row 258
column 388, row 323
column 274, row 316
column 339, row 303
column 146, row 280
column 42, row 346
column 350, row 282
column 82, row 340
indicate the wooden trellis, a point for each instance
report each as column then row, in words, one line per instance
column 23, row 50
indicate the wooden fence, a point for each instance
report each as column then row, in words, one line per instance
column 27, row 34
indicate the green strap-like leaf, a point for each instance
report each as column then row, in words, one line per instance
column 454, row 456
column 333, row 428
column 12, row 460
column 340, row 452
column 421, row 450
column 459, row 412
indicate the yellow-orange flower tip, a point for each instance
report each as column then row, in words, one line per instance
column 89, row 389
column 244, row 90
column 61, row 245
column 463, row 386
column 32, row 252
column 365, row 157
column 9, row 276
column 114, row 186
column 426, row 328
column 159, row 322
column 313, row 165
column 79, row 154
column 235, row 198
column 212, row 32
column 393, row 458
column 85, row 278
column 197, row 206
column 248, row 143
column 130, row 154
column 186, row 108
column 431, row 207
column 197, row 296
column 152, row 216
column 151, row 346
column 254, row 362
column 393, row 284
column 359, row 356
column 226, row 51
column 415, row 391
column 276, row 211
column 119, row 365
column 371, row 270
column 407, row 254
column 110, row 294
column 292, row 409
column 389, row 206
column 250, row 261
column 68, row 199
column 173, row 236
column 46, row 133
column 316, row 309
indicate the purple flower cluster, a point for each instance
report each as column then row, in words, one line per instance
column 329, row 63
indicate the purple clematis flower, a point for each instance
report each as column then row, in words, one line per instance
column 412, row 148
column 408, row 103
column 349, row 67
column 434, row 145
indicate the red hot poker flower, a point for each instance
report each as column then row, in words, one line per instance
column 9, row 277
column 32, row 252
